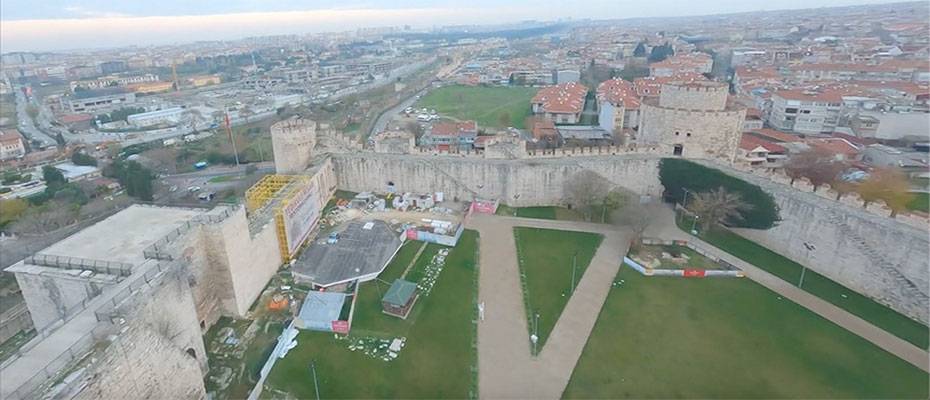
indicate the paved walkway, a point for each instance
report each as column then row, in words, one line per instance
column 505, row 367
column 666, row 229
column 506, row 370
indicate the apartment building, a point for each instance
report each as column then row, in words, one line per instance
column 561, row 104
column 805, row 111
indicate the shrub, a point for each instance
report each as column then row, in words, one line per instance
column 678, row 174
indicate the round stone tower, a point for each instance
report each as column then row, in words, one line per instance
column 292, row 141
column 697, row 95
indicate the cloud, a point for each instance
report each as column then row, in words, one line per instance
column 82, row 12
column 112, row 31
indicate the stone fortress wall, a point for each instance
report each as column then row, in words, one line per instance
column 293, row 141
column 863, row 248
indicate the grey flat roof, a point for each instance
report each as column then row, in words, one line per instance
column 358, row 252
column 123, row 236
column 582, row 132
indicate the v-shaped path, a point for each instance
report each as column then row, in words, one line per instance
column 505, row 367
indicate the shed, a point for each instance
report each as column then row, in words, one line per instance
column 399, row 299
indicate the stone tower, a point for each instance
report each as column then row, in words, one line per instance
column 692, row 120
column 293, row 140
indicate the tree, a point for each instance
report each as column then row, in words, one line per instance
column 45, row 218
column 585, row 190
column 11, row 210
column 52, row 176
column 32, row 111
column 135, row 178
column 414, row 128
column 660, row 53
column 81, row 158
column 817, row 166
column 889, row 185
column 614, row 200
column 717, row 206
column 640, row 50
column 637, row 217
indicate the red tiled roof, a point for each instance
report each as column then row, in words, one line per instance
column 563, row 98
column 454, row 128
column 750, row 142
column 72, row 118
column 10, row 135
column 776, row 136
column 618, row 91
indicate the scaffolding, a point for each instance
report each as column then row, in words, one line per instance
column 269, row 197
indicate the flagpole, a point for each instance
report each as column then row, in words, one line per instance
column 229, row 133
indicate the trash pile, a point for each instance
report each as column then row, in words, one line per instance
column 384, row 349
column 432, row 271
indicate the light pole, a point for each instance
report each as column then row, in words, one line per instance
column 809, row 247
column 574, row 264
column 316, row 385
column 694, row 225
column 535, row 336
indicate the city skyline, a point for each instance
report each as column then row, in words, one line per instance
column 29, row 27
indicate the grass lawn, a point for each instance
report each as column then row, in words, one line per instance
column 438, row 361
column 541, row 212
column 921, row 202
column 485, row 105
column 728, row 338
column 818, row 285
column 545, row 257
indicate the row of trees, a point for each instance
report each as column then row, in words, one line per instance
column 821, row 168
column 134, row 177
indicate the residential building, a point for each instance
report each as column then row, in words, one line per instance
column 446, row 136
column 805, row 111
column 618, row 105
column 11, row 145
column 757, row 151
column 698, row 63
column 562, row 104
column 87, row 101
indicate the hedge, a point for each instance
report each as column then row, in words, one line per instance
column 677, row 174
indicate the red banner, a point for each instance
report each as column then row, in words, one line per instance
column 694, row 273
column 341, row 327
column 411, row 234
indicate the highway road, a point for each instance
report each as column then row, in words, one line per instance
column 26, row 126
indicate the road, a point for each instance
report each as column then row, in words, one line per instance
column 385, row 118
column 26, row 124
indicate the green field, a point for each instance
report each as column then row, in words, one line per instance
column 485, row 105
column 921, row 202
column 540, row 212
column 728, row 338
column 438, row 361
column 545, row 258
column 818, row 285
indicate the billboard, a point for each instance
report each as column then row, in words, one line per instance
column 300, row 215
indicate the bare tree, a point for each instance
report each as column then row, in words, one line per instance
column 637, row 217
column 817, row 166
column 718, row 206
column 46, row 218
column 889, row 185
column 584, row 190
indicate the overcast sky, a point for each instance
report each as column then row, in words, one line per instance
column 38, row 25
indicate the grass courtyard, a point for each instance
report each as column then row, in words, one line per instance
column 439, row 359
column 818, row 285
column 728, row 338
column 489, row 106
column 545, row 258
column 920, row 202
column 541, row 212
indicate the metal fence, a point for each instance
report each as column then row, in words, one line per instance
column 157, row 250
column 68, row 262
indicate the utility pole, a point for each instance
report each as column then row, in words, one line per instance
column 574, row 264
column 316, row 385
column 229, row 133
column 535, row 336
column 809, row 247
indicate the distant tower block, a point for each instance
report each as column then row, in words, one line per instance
column 292, row 141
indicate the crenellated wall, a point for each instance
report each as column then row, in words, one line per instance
column 523, row 182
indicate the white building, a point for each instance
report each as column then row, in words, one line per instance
column 166, row 116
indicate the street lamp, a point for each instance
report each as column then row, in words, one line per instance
column 694, row 225
column 574, row 264
column 810, row 247
column 535, row 337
